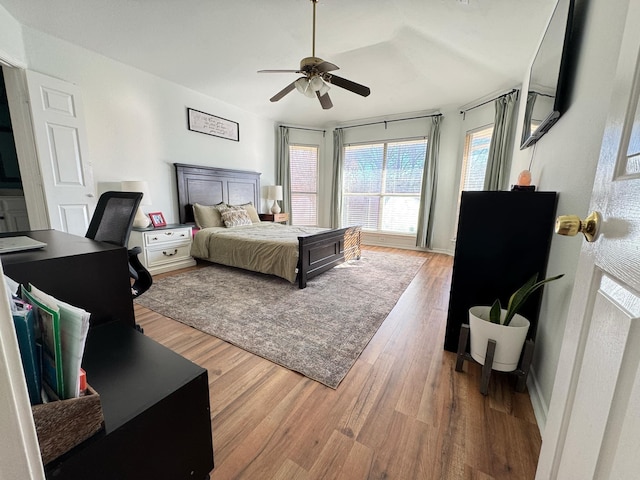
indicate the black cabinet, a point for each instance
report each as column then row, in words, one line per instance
column 503, row 239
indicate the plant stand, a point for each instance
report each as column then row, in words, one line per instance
column 521, row 373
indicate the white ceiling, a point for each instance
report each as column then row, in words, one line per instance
column 415, row 55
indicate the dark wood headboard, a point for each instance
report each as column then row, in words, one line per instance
column 211, row 185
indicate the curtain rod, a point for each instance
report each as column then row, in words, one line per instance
column 542, row 94
column 389, row 121
column 303, row 128
column 462, row 112
column 367, row 124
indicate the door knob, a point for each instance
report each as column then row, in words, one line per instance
column 570, row 225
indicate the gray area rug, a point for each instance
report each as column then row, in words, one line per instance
column 319, row 331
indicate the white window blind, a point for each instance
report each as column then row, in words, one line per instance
column 381, row 185
column 474, row 162
column 303, row 165
column 476, row 154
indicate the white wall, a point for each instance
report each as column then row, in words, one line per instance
column 137, row 123
column 564, row 160
column 11, row 46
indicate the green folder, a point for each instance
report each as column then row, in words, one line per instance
column 48, row 321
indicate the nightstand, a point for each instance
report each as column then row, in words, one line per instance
column 163, row 248
column 274, row 217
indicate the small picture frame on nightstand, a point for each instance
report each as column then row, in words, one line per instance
column 157, row 219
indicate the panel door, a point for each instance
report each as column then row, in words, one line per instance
column 61, row 146
column 593, row 426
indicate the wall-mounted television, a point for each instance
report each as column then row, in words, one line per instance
column 549, row 76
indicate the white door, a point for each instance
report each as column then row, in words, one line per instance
column 61, row 145
column 593, row 425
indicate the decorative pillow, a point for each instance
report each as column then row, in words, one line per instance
column 235, row 217
column 251, row 210
column 207, row 215
column 223, row 207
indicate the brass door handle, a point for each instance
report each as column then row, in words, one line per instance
column 570, row 225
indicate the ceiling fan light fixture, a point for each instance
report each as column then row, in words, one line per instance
column 316, row 80
column 302, row 84
column 316, row 83
column 324, row 89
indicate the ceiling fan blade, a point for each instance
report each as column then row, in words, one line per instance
column 326, row 67
column 325, row 101
column 283, row 92
column 347, row 84
column 279, row 71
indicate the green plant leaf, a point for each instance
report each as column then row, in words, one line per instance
column 494, row 313
column 522, row 294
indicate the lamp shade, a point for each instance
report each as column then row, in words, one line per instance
column 275, row 192
column 138, row 186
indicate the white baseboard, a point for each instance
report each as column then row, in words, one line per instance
column 540, row 408
column 443, row 251
column 406, row 242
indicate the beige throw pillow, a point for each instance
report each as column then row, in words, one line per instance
column 207, row 215
column 235, row 218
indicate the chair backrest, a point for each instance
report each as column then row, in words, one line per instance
column 113, row 218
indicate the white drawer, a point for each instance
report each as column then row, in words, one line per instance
column 163, row 236
column 169, row 254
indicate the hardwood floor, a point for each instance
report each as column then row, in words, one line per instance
column 401, row 413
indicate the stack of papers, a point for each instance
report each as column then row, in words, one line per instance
column 60, row 333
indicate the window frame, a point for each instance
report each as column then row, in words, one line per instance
column 292, row 191
column 463, row 168
column 381, row 195
column 466, row 150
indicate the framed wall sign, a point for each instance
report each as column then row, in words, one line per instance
column 211, row 125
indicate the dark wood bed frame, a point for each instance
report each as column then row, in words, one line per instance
column 210, row 186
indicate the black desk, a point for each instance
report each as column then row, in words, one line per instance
column 89, row 274
column 156, row 411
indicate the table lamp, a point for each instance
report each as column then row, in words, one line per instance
column 275, row 194
column 140, row 220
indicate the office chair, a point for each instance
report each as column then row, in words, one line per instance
column 111, row 223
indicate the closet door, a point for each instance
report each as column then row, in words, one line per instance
column 61, row 144
column 503, row 239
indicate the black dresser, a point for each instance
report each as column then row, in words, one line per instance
column 503, row 239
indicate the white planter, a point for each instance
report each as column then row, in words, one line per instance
column 509, row 339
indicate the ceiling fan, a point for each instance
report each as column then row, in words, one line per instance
column 316, row 77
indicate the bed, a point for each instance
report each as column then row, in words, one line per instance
column 311, row 251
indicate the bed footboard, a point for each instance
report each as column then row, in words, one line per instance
column 323, row 251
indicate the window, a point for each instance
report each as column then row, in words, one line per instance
column 303, row 165
column 381, row 185
column 474, row 162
